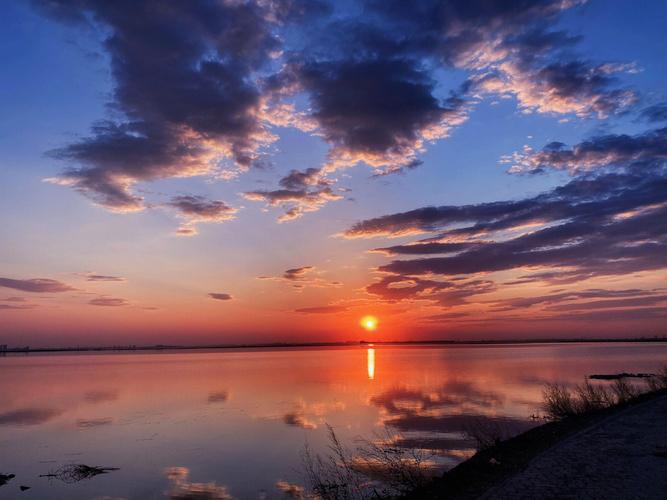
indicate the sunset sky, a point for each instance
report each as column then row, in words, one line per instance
column 274, row 170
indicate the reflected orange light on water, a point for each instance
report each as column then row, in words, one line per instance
column 371, row 364
column 99, row 405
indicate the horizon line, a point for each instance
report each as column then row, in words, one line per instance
column 5, row 349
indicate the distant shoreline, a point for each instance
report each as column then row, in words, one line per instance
column 287, row 345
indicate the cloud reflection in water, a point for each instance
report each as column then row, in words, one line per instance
column 28, row 416
column 218, row 397
column 182, row 489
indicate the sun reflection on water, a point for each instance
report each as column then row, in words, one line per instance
column 371, row 364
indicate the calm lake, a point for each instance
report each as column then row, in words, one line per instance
column 233, row 424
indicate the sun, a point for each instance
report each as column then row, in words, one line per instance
column 369, row 323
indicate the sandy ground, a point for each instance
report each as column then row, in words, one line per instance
column 621, row 457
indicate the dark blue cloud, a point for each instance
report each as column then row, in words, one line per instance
column 619, row 150
column 199, row 85
column 182, row 80
column 655, row 113
column 605, row 222
column 377, row 110
column 195, row 208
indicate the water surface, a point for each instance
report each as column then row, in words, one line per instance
column 233, row 424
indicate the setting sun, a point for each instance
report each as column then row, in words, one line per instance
column 370, row 323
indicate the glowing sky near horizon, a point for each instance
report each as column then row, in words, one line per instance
column 276, row 170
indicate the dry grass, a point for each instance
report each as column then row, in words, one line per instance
column 488, row 432
column 380, row 469
column 375, row 469
column 658, row 381
column 559, row 401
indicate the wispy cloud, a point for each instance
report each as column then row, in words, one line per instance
column 322, row 310
column 220, row 296
column 83, row 423
column 28, row 416
column 598, row 152
column 108, row 302
column 10, row 307
column 655, row 113
column 15, row 299
column 300, row 277
column 606, row 222
column 300, row 192
column 103, row 277
column 194, row 209
column 36, row 285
